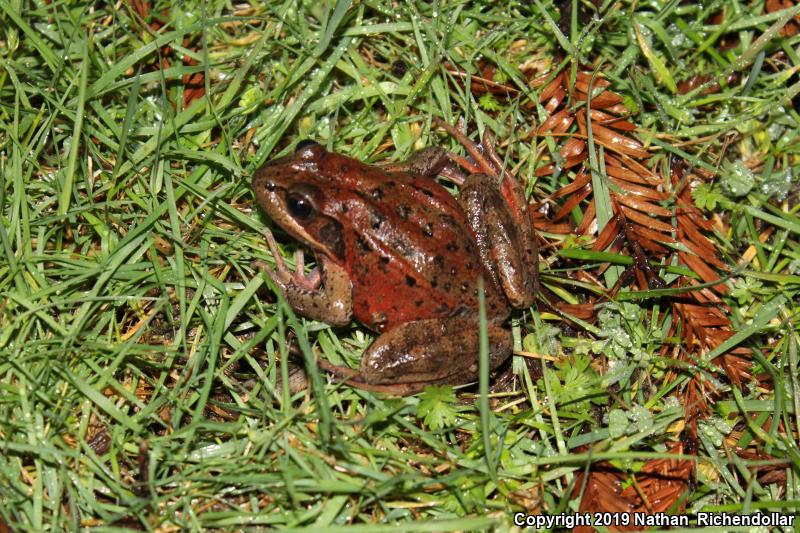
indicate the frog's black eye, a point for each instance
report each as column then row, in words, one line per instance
column 299, row 206
column 305, row 143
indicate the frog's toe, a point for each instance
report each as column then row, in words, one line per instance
column 433, row 351
column 310, row 281
column 283, row 276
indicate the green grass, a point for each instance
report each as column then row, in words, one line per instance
column 141, row 350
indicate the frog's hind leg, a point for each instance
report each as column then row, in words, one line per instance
column 487, row 143
column 505, row 237
column 430, row 352
column 354, row 379
column 429, row 163
column 436, row 161
column 485, row 158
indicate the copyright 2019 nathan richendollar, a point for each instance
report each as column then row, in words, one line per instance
column 700, row 519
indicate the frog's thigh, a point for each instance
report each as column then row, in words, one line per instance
column 443, row 351
column 332, row 303
column 499, row 237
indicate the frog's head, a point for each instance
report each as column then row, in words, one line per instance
column 291, row 191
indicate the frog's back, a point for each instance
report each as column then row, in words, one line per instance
column 407, row 246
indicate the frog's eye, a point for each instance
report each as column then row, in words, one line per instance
column 299, row 206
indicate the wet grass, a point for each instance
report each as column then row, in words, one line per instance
column 141, row 350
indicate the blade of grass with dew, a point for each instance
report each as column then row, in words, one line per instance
column 487, row 422
column 216, row 330
column 45, row 51
column 602, row 197
column 663, row 72
column 764, row 316
column 793, row 364
column 744, row 60
column 75, row 145
column 331, row 25
column 323, row 409
column 130, row 109
column 289, row 114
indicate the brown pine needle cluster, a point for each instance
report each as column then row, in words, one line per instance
column 647, row 215
column 656, row 488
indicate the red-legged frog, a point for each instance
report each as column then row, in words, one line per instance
column 397, row 252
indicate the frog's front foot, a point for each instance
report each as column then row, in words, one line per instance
column 284, row 277
column 323, row 294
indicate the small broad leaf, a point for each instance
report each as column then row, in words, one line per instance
column 438, row 407
column 738, row 180
column 617, row 423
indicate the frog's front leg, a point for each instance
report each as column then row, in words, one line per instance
column 432, row 351
column 325, row 294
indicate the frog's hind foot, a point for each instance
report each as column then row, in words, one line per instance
column 429, row 163
column 355, row 379
column 484, row 158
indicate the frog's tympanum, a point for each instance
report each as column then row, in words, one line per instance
column 397, row 252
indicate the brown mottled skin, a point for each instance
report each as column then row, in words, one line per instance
column 397, row 252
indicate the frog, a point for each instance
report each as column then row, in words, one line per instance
column 398, row 252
